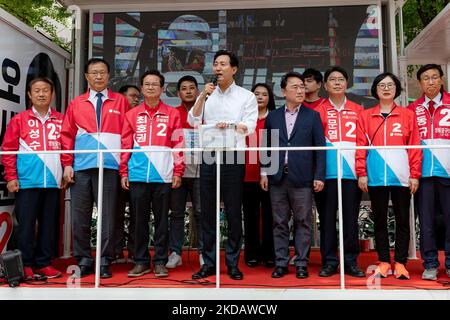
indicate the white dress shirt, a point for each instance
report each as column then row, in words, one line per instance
column 437, row 100
column 38, row 115
column 234, row 106
column 93, row 98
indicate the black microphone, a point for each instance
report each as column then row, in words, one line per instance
column 214, row 80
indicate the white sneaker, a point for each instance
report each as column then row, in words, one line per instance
column 430, row 274
column 292, row 262
column 174, row 261
column 200, row 258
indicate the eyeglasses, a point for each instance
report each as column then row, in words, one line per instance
column 296, row 88
column 433, row 79
column 98, row 73
column 339, row 80
column 384, row 86
column 153, row 84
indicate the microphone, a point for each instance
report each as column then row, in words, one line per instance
column 214, row 80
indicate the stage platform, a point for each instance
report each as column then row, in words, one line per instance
column 254, row 278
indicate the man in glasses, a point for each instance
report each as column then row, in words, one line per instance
column 93, row 121
column 432, row 111
column 297, row 174
column 339, row 117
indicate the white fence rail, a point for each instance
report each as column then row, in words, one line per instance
column 218, row 151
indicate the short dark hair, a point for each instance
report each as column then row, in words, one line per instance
column 94, row 61
column 271, row 103
column 313, row 73
column 153, row 72
column 40, row 79
column 124, row 89
column 427, row 67
column 186, row 78
column 335, row 69
column 379, row 78
column 291, row 74
column 234, row 61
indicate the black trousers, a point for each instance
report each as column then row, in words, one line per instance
column 39, row 205
column 379, row 198
column 178, row 198
column 83, row 193
column 256, row 205
column 147, row 197
column 119, row 226
column 327, row 208
column 433, row 197
column 231, row 181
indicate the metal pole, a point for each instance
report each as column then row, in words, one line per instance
column 341, row 222
column 67, row 230
column 412, row 254
column 98, row 248
column 218, row 160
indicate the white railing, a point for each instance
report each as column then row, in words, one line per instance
column 218, row 151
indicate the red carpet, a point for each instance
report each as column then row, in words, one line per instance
column 259, row 277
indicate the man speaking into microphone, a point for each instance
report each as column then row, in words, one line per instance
column 225, row 106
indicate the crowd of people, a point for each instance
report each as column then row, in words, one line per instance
column 260, row 190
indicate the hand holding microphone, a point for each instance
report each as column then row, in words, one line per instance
column 210, row 87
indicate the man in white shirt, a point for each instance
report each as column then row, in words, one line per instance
column 225, row 105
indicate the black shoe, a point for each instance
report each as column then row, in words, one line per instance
column 269, row 264
column 327, row 271
column 301, row 272
column 279, row 272
column 251, row 263
column 235, row 273
column 85, row 271
column 204, row 272
column 105, row 272
column 354, row 271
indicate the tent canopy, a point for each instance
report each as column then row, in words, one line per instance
column 200, row 4
column 432, row 45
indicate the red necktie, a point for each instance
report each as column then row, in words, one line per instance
column 431, row 107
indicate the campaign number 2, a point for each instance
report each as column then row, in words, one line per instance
column 163, row 129
column 51, row 134
column 445, row 121
column 397, row 127
column 351, row 131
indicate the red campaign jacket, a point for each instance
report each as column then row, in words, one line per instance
column 388, row 167
column 340, row 130
column 184, row 116
column 316, row 104
column 25, row 132
column 80, row 131
column 152, row 129
column 252, row 168
column 434, row 130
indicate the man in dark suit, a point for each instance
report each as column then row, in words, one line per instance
column 290, row 176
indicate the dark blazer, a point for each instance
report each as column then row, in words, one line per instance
column 303, row 166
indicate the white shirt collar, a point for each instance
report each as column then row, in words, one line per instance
column 227, row 90
column 38, row 115
column 437, row 100
column 93, row 93
column 336, row 106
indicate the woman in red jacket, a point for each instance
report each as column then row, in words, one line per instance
column 256, row 202
column 389, row 171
